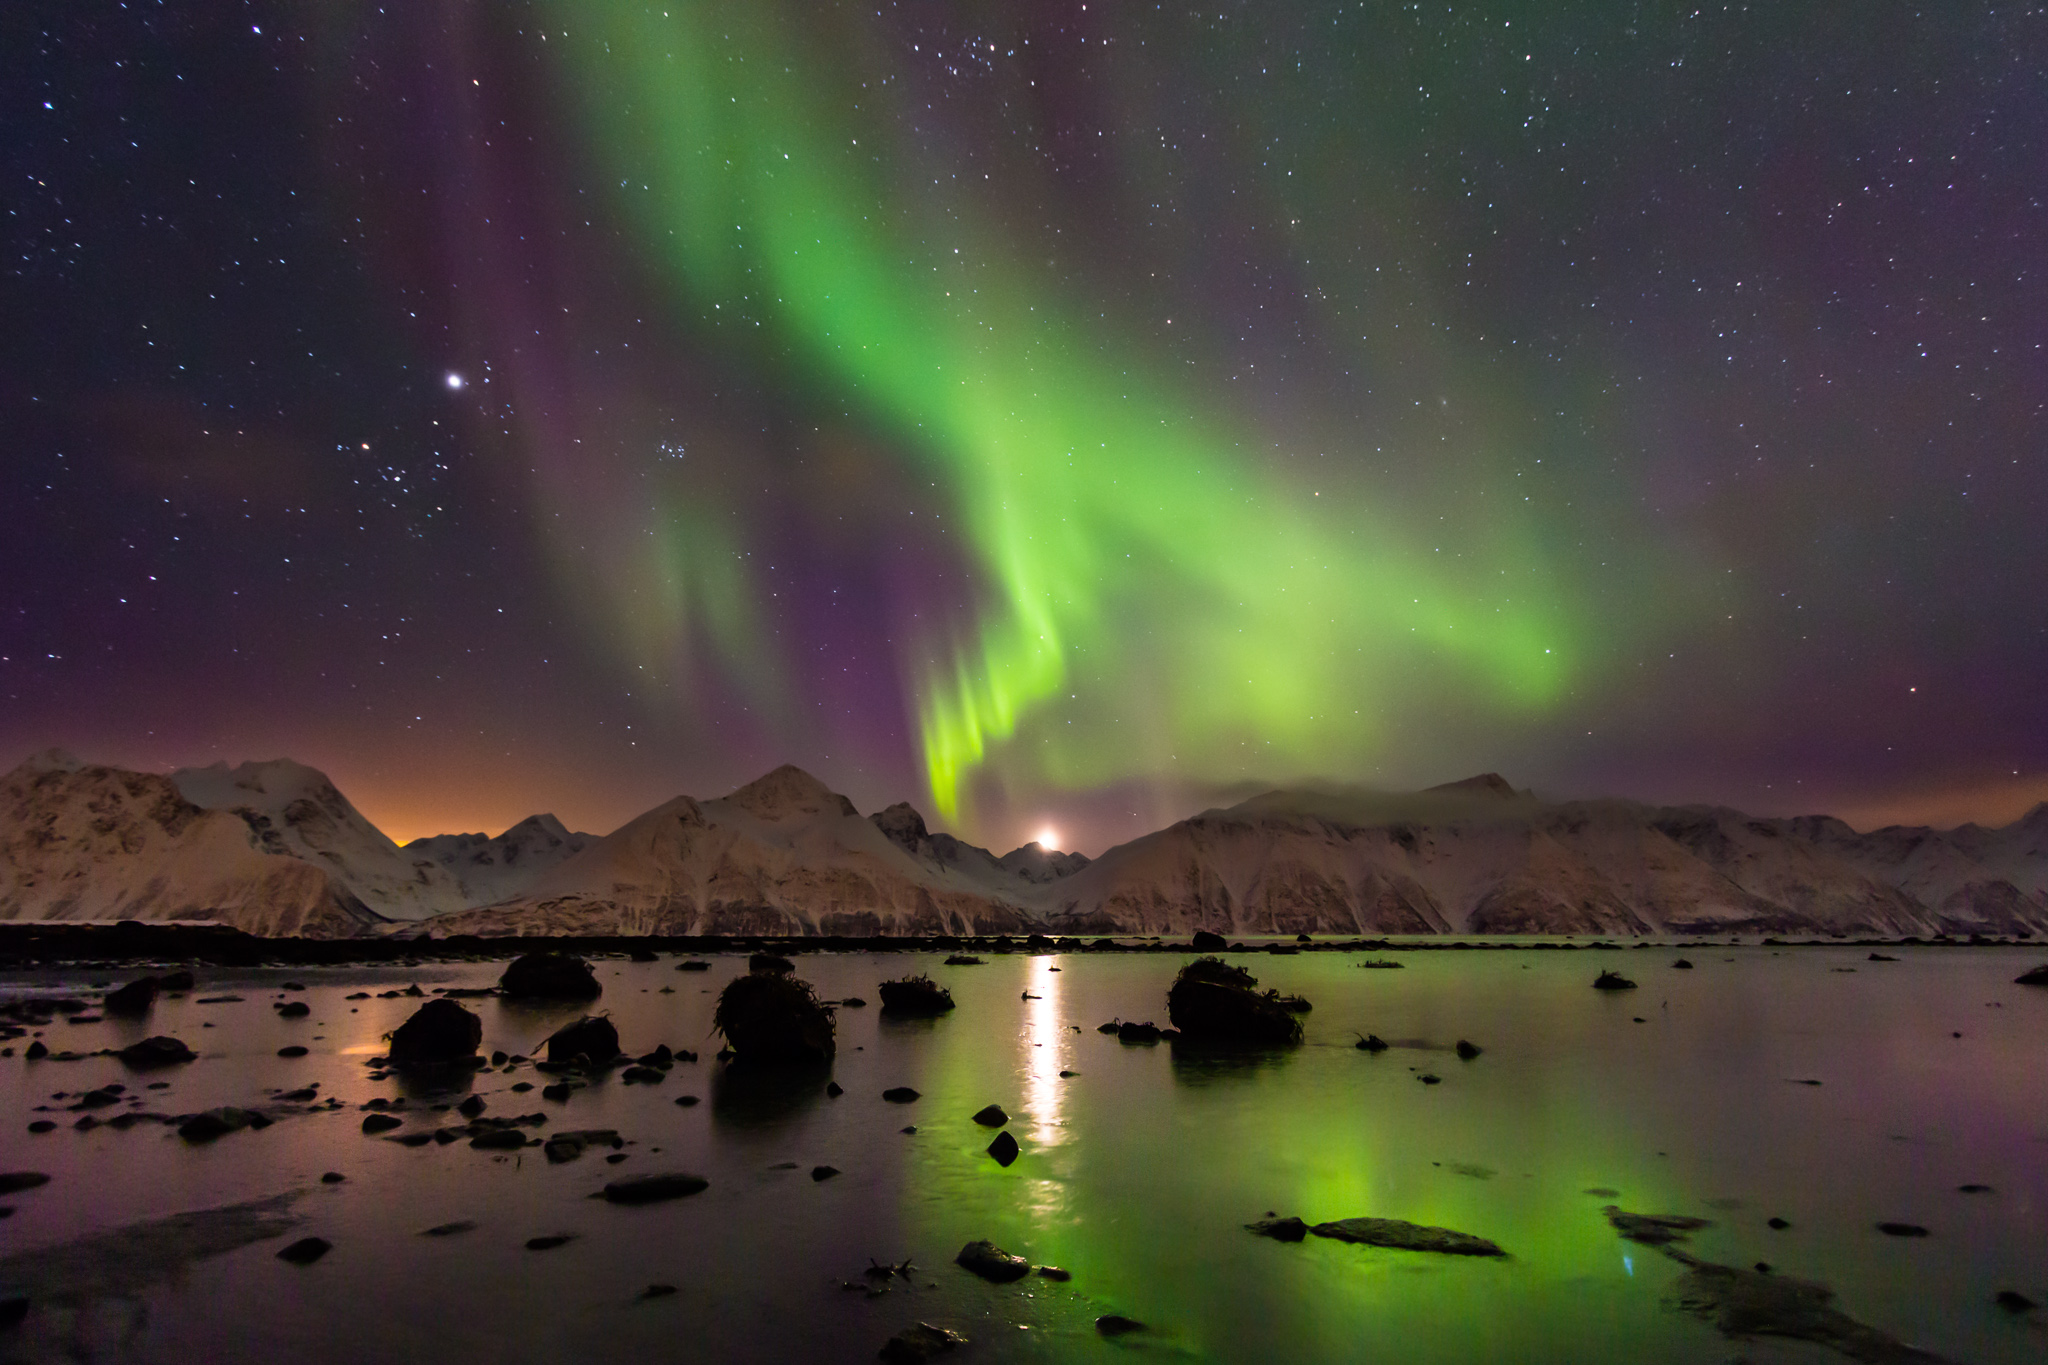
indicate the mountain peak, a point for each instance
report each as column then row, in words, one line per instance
column 1485, row 784
column 787, row 792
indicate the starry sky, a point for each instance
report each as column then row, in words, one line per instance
column 1057, row 415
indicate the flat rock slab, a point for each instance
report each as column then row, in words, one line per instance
column 1403, row 1236
column 1654, row 1229
column 992, row 1263
column 127, row 1261
column 1750, row 1303
column 652, row 1189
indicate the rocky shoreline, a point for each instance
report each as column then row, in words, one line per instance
column 35, row 945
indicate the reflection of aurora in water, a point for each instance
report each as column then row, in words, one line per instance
column 1138, row 1172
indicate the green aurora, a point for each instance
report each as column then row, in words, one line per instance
column 1152, row 594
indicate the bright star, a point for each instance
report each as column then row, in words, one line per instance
column 456, row 381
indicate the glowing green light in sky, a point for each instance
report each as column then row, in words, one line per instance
column 1152, row 594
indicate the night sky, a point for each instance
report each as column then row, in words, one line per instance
column 1045, row 413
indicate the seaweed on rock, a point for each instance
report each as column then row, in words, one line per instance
column 1214, row 1002
column 769, row 1017
column 915, row 995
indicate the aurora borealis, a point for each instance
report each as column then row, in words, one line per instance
column 1054, row 412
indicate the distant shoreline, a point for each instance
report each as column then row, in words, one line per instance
column 26, row 947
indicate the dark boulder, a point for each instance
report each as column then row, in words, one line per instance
column 693, row 965
column 133, row 999
column 1147, row 1032
column 769, row 962
column 150, row 1053
column 776, row 1019
column 550, row 976
column 2036, row 977
column 1003, row 1149
column 822, row 1173
column 1612, row 981
column 175, row 981
column 439, row 1033
column 1213, row 1002
column 1206, row 942
column 644, row 955
column 592, row 1040
column 1654, row 1229
column 14, row 1182
column 964, row 960
column 992, row 1263
column 1902, row 1229
column 1371, row 1042
column 900, row 1094
column 1467, row 1051
column 992, row 1117
column 652, row 1189
column 306, row 1250
column 1682, row 965
column 381, row 1123
column 294, row 1009
column 915, row 996
column 215, row 1123
column 1117, row 1325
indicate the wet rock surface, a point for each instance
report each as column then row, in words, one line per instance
column 1752, row 1303
column 439, row 1033
column 592, row 1040
column 1280, row 1229
column 1211, row 1001
column 1404, row 1236
column 992, row 1263
column 653, row 1189
column 1612, row 981
column 159, row 1051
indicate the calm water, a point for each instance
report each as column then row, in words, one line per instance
column 1137, row 1173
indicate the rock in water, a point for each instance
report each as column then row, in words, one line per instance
column 1902, row 1229
column 1280, row 1229
column 306, row 1250
column 900, row 1094
column 1613, row 981
column 1214, row 1002
column 915, row 996
column 1467, row 1051
column 1003, row 1149
column 992, row 1263
column 651, row 1189
column 1207, row 942
column 1146, row 1032
column 769, row 962
column 439, row 1033
column 214, row 1123
column 2037, row 977
column 591, row 1039
column 1654, row 1229
column 14, row 1182
column 550, row 976
column 1392, row 1232
column 1117, row 1325
column 919, row 1343
column 992, row 1117
column 1751, row 1303
column 1371, row 1042
column 776, row 1019
column 133, row 999
column 150, row 1053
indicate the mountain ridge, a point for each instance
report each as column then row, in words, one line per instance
column 276, row 846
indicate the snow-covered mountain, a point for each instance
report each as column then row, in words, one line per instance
column 84, row 842
column 782, row 855
column 492, row 868
column 274, row 848
column 1479, row 857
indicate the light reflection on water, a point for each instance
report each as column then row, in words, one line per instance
column 1136, row 1173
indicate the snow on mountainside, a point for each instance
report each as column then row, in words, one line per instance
column 80, row 842
column 274, row 848
column 489, row 869
column 293, row 809
column 782, row 855
column 1479, row 857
